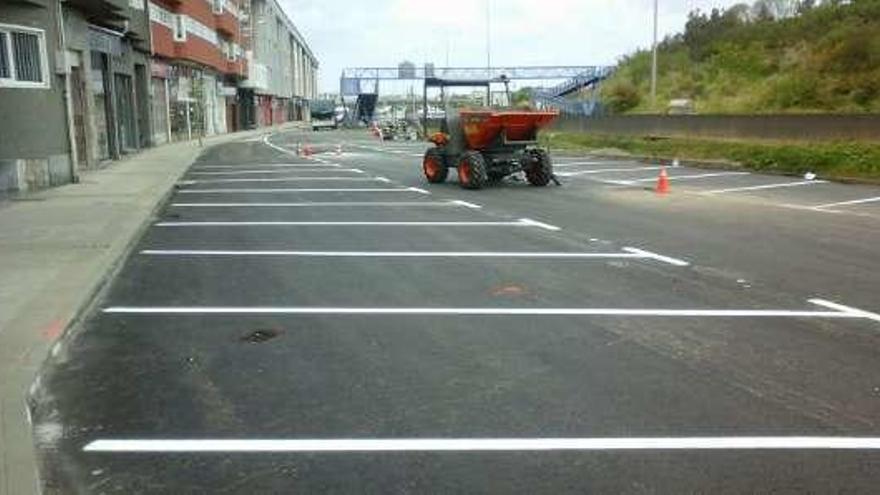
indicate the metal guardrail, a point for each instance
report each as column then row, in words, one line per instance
column 810, row 127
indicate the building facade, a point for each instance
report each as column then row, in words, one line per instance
column 75, row 73
column 94, row 80
column 199, row 59
column 282, row 70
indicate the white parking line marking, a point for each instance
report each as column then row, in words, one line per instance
column 605, row 171
column 766, row 186
column 573, row 164
column 467, row 204
column 258, row 172
column 847, row 309
column 397, row 254
column 276, row 147
column 658, row 257
column 316, row 204
column 419, row 190
column 524, row 222
column 696, row 176
column 850, row 313
column 535, row 223
column 847, row 203
column 297, row 190
column 482, row 444
column 275, row 179
column 317, row 166
column 383, row 179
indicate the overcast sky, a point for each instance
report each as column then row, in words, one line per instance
column 358, row 33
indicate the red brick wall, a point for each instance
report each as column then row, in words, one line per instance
column 196, row 49
column 199, row 50
column 227, row 24
column 163, row 40
column 199, row 10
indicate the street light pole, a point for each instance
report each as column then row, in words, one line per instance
column 654, row 61
column 488, row 52
column 488, row 39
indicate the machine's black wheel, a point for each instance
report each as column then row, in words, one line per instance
column 434, row 166
column 472, row 170
column 539, row 172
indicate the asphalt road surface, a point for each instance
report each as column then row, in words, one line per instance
column 333, row 324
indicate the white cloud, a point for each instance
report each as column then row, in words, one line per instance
column 356, row 33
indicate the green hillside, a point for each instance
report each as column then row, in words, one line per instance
column 772, row 56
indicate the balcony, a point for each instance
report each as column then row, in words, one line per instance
column 101, row 11
column 236, row 68
column 227, row 24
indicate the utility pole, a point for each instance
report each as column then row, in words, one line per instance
column 654, row 61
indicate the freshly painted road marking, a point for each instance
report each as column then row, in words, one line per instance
column 275, row 179
column 573, row 164
column 696, row 176
column 848, row 203
column 605, row 171
column 535, row 223
column 844, row 312
column 481, row 444
column 847, row 309
column 278, row 148
column 523, row 222
column 655, row 256
column 271, row 165
column 316, row 204
column 467, row 204
column 382, row 179
column 419, row 190
column 401, row 254
column 266, row 172
column 299, row 190
column 766, row 186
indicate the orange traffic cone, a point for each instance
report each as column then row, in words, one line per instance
column 662, row 182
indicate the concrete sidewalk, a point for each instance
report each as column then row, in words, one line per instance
column 56, row 248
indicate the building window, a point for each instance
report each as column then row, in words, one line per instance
column 218, row 6
column 23, row 61
column 179, row 27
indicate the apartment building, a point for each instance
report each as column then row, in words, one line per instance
column 282, row 70
column 86, row 81
column 199, row 59
column 74, row 76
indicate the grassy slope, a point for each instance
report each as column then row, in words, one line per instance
column 841, row 160
column 825, row 59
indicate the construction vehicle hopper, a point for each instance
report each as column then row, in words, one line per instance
column 485, row 146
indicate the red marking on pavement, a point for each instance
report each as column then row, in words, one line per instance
column 52, row 331
column 509, row 290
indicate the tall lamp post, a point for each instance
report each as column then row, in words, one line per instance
column 488, row 51
column 654, row 61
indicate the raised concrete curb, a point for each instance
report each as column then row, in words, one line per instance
column 57, row 248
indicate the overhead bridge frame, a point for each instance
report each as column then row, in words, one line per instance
column 351, row 77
